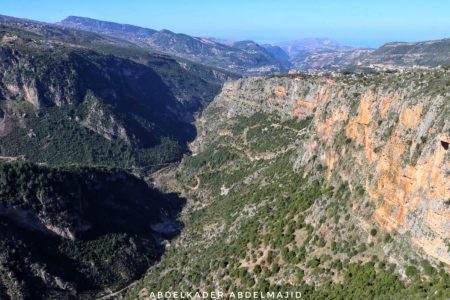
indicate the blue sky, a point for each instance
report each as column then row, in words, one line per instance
column 358, row 23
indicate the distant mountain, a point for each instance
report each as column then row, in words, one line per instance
column 328, row 59
column 273, row 51
column 242, row 57
column 309, row 54
column 276, row 51
column 221, row 41
column 402, row 54
column 251, row 59
column 293, row 48
column 325, row 54
column 108, row 28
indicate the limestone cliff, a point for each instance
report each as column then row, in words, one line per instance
column 388, row 133
column 61, row 98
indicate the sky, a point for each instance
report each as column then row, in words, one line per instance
column 351, row 22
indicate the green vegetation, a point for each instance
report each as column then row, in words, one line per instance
column 257, row 221
column 56, row 138
column 92, row 102
column 89, row 227
column 253, row 214
column 79, row 105
column 259, row 235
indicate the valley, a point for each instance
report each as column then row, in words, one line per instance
column 135, row 160
column 83, row 120
column 291, row 190
column 76, row 231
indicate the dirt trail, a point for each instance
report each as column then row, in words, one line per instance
column 266, row 156
column 12, row 158
column 194, row 188
column 245, row 131
column 112, row 295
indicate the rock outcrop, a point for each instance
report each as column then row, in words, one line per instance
column 386, row 132
column 62, row 94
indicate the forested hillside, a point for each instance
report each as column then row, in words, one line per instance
column 76, row 231
column 333, row 186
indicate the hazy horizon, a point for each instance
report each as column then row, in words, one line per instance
column 347, row 22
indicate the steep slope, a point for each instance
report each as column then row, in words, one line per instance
column 108, row 28
column 202, row 50
column 336, row 187
column 95, row 102
column 400, row 123
column 428, row 54
column 276, row 51
column 74, row 231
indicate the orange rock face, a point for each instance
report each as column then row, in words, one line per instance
column 410, row 117
column 225, row 133
column 390, row 141
column 408, row 197
column 404, row 194
column 303, row 107
column 280, row 91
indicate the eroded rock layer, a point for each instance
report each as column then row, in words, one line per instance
column 386, row 132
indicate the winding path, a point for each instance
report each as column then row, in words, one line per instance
column 117, row 293
column 194, row 188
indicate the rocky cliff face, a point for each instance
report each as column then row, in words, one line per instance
column 112, row 95
column 386, row 132
column 297, row 182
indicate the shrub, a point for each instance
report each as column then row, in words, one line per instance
column 411, row 271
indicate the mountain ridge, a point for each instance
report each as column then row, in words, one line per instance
column 105, row 27
column 202, row 50
column 308, row 54
column 334, row 184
